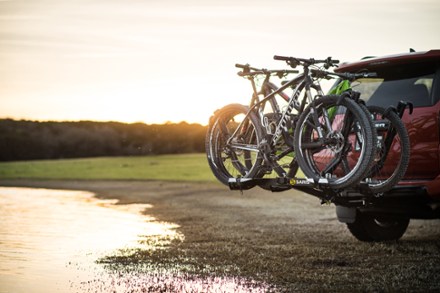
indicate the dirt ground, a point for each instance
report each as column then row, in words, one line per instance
column 286, row 240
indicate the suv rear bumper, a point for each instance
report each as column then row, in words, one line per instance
column 404, row 201
column 410, row 199
column 432, row 186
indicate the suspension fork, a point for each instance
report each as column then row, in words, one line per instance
column 342, row 155
column 313, row 112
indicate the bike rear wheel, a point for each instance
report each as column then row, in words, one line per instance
column 392, row 157
column 232, row 143
column 342, row 156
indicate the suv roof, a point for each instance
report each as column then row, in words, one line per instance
column 371, row 64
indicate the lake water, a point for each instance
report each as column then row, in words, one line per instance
column 50, row 241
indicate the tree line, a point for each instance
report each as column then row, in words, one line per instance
column 31, row 140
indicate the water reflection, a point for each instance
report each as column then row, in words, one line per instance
column 50, row 239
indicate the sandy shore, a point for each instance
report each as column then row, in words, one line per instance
column 284, row 239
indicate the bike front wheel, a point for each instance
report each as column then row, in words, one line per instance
column 334, row 141
column 232, row 143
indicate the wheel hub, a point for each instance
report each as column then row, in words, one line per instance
column 336, row 141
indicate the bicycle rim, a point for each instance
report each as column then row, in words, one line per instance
column 238, row 156
column 392, row 158
column 342, row 158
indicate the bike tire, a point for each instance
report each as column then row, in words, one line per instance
column 389, row 167
column 335, row 162
column 226, row 160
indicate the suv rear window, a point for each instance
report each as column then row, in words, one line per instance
column 386, row 93
column 412, row 83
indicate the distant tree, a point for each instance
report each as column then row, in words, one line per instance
column 29, row 140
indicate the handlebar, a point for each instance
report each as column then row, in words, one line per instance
column 246, row 67
column 251, row 71
column 346, row 75
column 294, row 61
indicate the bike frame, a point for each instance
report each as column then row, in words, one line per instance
column 270, row 90
column 329, row 130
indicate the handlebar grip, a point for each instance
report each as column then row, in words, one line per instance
column 241, row 66
column 282, row 58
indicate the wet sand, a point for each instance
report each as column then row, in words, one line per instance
column 287, row 241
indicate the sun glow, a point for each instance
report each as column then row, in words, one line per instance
column 151, row 62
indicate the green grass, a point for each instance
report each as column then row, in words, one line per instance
column 187, row 167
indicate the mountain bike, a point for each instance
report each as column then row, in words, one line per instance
column 393, row 145
column 244, row 143
column 246, row 161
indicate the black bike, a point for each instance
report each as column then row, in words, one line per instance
column 331, row 138
column 393, row 145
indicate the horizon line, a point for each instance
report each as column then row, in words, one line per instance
column 102, row 121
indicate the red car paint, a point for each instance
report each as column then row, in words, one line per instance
column 413, row 77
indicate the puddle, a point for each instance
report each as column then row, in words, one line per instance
column 51, row 240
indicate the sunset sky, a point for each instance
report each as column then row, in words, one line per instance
column 167, row 60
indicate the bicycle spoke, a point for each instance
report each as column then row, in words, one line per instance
column 332, row 165
column 232, row 143
column 392, row 156
column 334, row 155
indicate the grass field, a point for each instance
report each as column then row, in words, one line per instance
column 186, row 167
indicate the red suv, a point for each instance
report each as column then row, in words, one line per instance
column 412, row 77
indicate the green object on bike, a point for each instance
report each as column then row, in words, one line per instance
column 248, row 146
column 343, row 86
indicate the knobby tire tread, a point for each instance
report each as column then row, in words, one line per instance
column 366, row 122
column 214, row 156
column 402, row 165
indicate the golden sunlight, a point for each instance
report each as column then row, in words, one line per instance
column 154, row 62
